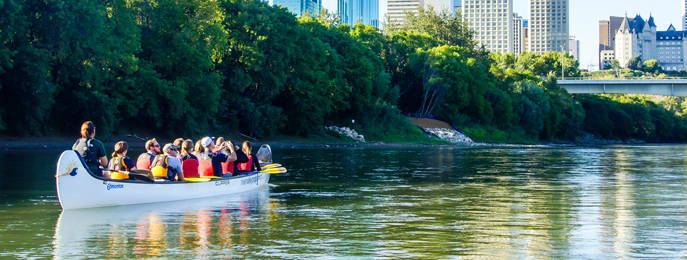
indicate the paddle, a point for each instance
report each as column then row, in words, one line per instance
column 274, row 170
column 270, row 170
column 141, row 175
column 271, row 166
column 197, row 179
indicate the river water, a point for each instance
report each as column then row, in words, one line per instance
column 382, row 203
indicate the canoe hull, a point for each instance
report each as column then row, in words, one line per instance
column 78, row 189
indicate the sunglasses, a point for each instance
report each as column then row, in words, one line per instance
column 157, row 145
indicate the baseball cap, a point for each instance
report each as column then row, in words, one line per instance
column 170, row 147
column 206, row 141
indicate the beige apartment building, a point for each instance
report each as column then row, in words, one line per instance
column 395, row 9
column 549, row 25
column 492, row 21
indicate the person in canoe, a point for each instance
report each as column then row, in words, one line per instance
column 120, row 162
column 92, row 150
column 210, row 162
column 146, row 159
column 178, row 142
column 166, row 166
column 198, row 149
column 189, row 162
column 252, row 164
column 231, row 167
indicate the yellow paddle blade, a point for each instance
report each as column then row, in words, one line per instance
column 210, row 177
column 274, row 165
column 274, row 170
column 197, row 179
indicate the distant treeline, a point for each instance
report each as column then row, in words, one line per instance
column 189, row 67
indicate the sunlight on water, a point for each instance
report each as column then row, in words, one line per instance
column 468, row 203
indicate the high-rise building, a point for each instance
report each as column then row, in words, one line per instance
column 574, row 47
column 518, row 35
column 457, row 6
column 439, row 5
column 549, row 25
column 607, row 30
column 492, row 22
column 353, row 11
column 300, row 7
column 525, row 34
column 395, row 9
column 684, row 15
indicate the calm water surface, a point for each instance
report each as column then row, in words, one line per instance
column 435, row 203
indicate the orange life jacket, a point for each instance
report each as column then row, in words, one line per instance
column 228, row 167
column 205, row 165
column 144, row 161
column 247, row 166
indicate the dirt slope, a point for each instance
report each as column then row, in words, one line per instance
column 430, row 123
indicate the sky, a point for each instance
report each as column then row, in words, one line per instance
column 585, row 16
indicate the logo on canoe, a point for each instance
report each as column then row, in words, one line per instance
column 114, row 186
column 222, row 182
column 71, row 168
column 255, row 179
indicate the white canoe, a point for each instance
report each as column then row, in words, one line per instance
column 78, row 189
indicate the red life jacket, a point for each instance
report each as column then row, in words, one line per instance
column 190, row 167
column 205, row 165
column 247, row 166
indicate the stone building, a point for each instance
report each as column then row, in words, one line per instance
column 638, row 37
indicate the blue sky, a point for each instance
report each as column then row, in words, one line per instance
column 585, row 16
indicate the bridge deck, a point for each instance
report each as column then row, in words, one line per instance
column 665, row 87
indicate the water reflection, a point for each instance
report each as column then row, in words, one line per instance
column 153, row 230
column 429, row 203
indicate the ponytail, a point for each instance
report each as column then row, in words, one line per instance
column 87, row 129
column 247, row 147
column 120, row 148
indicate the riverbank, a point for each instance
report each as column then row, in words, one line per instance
column 137, row 143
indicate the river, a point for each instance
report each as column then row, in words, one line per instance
column 382, row 203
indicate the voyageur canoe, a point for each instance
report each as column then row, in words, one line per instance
column 78, row 188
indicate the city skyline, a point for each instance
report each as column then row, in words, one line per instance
column 584, row 21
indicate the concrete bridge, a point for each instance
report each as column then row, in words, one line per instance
column 665, row 87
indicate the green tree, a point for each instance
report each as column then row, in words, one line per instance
column 442, row 26
column 635, row 63
column 459, row 82
column 180, row 42
column 615, row 64
column 403, row 66
column 652, row 67
column 21, row 67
